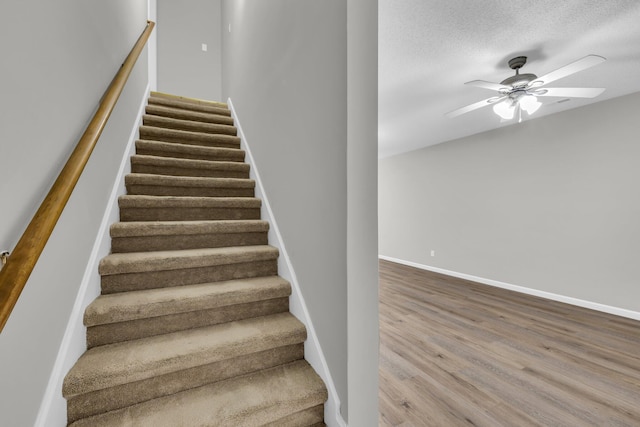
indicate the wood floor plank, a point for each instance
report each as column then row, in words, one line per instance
column 459, row 353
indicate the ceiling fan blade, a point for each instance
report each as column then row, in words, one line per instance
column 474, row 106
column 579, row 65
column 488, row 85
column 569, row 92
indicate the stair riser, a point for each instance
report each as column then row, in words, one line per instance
column 187, row 214
column 189, row 241
column 167, row 102
column 188, row 125
column 224, row 157
column 153, row 190
column 135, row 329
column 161, row 279
column 97, row 402
column 184, row 151
column 201, row 172
column 181, row 137
column 312, row 417
column 181, row 114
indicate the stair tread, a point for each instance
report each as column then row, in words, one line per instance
column 188, row 125
column 184, row 181
column 201, row 150
column 129, row 361
column 188, row 106
column 184, row 136
column 143, row 201
column 165, row 228
column 186, row 99
column 254, row 399
column 199, row 116
column 136, row 262
column 141, row 159
column 133, row 305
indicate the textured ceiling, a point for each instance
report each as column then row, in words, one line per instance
column 428, row 49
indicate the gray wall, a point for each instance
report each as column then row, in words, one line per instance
column 362, row 225
column 57, row 60
column 551, row 204
column 285, row 69
column 183, row 68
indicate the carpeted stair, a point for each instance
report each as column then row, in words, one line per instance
column 193, row 326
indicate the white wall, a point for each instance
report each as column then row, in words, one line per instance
column 58, row 58
column 183, row 68
column 551, row 204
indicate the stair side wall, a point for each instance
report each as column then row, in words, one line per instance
column 61, row 67
column 74, row 342
column 285, row 69
column 313, row 351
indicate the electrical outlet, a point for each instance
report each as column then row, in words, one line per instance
column 433, row 252
column 204, row 47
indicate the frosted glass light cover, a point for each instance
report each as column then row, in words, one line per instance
column 530, row 104
column 504, row 109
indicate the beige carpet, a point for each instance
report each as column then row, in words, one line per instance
column 193, row 325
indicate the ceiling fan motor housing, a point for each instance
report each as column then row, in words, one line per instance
column 518, row 80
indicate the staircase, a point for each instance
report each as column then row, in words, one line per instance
column 193, row 326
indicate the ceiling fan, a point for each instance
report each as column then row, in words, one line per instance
column 520, row 92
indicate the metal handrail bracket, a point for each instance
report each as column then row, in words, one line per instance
column 4, row 255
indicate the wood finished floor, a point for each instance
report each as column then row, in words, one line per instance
column 458, row 353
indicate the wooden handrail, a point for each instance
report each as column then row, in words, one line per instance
column 20, row 264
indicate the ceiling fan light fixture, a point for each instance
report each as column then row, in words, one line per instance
column 521, row 91
column 505, row 109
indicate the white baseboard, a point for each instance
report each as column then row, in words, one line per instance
column 529, row 291
column 312, row 349
column 53, row 409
